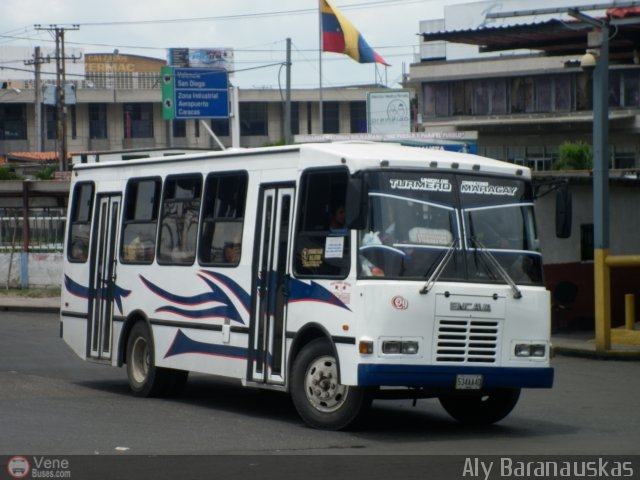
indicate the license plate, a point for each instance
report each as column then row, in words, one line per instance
column 468, row 382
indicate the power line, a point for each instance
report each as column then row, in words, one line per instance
column 244, row 16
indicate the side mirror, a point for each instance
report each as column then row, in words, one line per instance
column 564, row 212
column 356, row 207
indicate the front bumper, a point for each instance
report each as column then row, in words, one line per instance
column 445, row 376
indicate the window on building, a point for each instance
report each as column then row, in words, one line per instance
column 632, row 89
column 220, row 127
column 73, row 121
column 462, row 98
column 140, row 220
column 331, row 117
column 253, row 118
column 358, row 114
column 97, row 120
column 498, row 96
column 80, row 222
column 50, row 113
column 584, row 95
column 322, row 245
column 436, row 99
column 522, row 95
column 225, row 197
column 295, row 118
column 13, row 122
column 586, row 242
column 543, row 93
column 481, row 96
column 562, row 93
column 138, row 120
column 179, row 219
column 179, row 128
column 615, row 89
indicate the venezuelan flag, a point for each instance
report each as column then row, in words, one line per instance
column 340, row 36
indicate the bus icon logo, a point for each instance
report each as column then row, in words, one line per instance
column 399, row 302
column 18, row 467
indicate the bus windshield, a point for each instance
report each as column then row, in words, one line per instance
column 414, row 221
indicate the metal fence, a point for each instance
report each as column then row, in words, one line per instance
column 46, row 229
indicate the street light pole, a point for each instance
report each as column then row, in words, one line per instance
column 598, row 43
column 602, row 281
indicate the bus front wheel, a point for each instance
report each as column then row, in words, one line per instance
column 483, row 409
column 319, row 398
column 145, row 378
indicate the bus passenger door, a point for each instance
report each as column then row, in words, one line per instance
column 272, row 272
column 103, row 276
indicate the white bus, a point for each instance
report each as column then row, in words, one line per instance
column 337, row 272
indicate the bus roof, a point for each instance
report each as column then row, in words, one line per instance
column 356, row 155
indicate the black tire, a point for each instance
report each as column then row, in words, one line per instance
column 330, row 405
column 483, row 409
column 145, row 379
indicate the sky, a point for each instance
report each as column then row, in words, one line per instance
column 256, row 30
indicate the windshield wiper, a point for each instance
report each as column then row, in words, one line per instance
column 440, row 268
column 498, row 268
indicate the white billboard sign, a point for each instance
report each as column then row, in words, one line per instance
column 389, row 112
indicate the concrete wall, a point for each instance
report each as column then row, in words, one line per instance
column 40, row 270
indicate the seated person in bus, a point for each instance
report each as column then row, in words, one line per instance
column 231, row 252
column 337, row 222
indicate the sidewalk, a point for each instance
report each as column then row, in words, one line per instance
column 28, row 304
column 625, row 345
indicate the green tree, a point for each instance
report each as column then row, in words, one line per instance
column 574, row 156
column 7, row 173
column 46, row 173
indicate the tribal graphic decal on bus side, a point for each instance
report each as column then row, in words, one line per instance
column 80, row 291
column 182, row 344
column 217, row 283
column 312, row 292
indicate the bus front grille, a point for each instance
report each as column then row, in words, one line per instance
column 467, row 341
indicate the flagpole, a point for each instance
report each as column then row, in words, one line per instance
column 321, row 118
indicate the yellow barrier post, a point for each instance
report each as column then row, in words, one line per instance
column 602, row 299
column 629, row 311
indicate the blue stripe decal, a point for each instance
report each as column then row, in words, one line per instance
column 182, row 345
column 77, row 290
column 241, row 294
column 302, row 292
column 216, row 294
column 445, row 376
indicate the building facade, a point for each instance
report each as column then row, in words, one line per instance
column 475, row 74
column 117, row 105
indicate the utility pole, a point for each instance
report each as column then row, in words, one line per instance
column 61, row 111
column 37, row 60
column 287, row 104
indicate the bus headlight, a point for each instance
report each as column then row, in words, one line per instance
column 396, row 347
column 524, row 350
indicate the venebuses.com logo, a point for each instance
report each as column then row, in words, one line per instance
column 18, row 467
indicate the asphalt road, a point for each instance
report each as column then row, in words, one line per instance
column 52, row 403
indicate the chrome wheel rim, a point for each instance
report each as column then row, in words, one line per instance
column 321, row 385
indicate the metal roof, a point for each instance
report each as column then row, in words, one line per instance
column 552, row 37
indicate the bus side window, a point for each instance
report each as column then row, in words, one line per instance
column 225, row 196
column 179, row 219
column 322, row 245
column 80, row 224
column 140, row 221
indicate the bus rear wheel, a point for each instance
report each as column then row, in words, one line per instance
column 483, row 409
column 319, row 398
column 145, row 378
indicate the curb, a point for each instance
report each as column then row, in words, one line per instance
column 27, row 308
column 627, row 355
